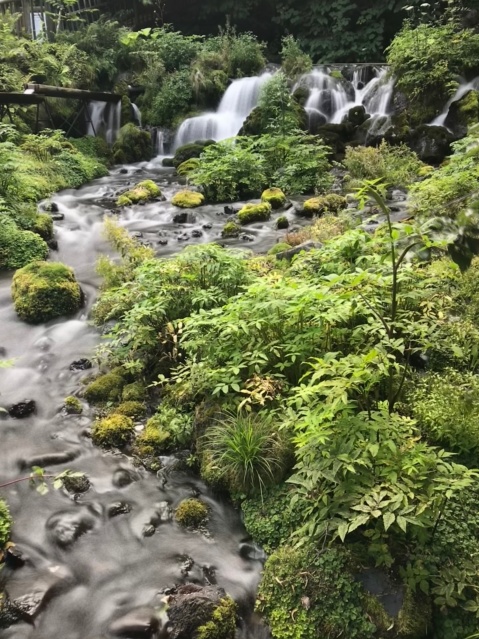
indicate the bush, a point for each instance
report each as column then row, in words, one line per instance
column 186, row 167
column 245, row 55
column 5, row 523
column 188, row 199
column 189, row 152
column 132, row 145
column 294, row 61
column 18, row 248
column 275, row 197
column 328, row 227
column 396, row 165
column 279, row 111
column 254, row 213
column 141, row 192
column 191, row 513
column 106, row 388
column 174, row 99
column 113, row 431
column 42, row 291
column 73, row 405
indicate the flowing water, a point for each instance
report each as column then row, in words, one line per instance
column 93, row 558
column 463, row 88
column 105, row 120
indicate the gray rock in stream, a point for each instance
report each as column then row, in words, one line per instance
column 305, row 246
column 191, row 607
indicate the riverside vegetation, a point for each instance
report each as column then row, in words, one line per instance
column 333, row 396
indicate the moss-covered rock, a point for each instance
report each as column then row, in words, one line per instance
column 188, row 199
column 188, row 151
column 17, row 247
column 231, row 229
column 106, row 388
column 279, row 248
column 255, row 213
column 43, row 226
column 141, row 192
column 131, row 409
column 222, row 624
column 134, row 392
column 186, row 167
column 275, row 197
column 191, row 513
column 132, row 145
column 463, row 113
column 114, row 430
column 331, row 203
column 154, row 440
column 413, row 621
column 5, row 523
column 282, row 222
column 42, row 291
column 73, row 405
column 431, row 143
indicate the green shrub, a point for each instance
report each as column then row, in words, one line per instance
column 222, row 625
column 131, row 409
column 73, row 405
column 328, row 227
column 318, row 588
column 186, row 167
column 279, row 248
column 446, row 407
column 396, row 165
column 132, row 145
column 18, row 248
column 231, row 229
column 141, row 192
column 275, row 197
column 5, row 523
column 280, row 112
column 174, row 99
column 114, row 430
column 254, row 213
column 245, row 55
column 294, row 61
column 42, row 291
column 248, row 451
column 106, row 388
column 190, row 152
column 191, row 513
column 188, row 199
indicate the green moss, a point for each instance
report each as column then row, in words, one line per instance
column 414, row 620
column 282, row 222
column 133, row 145
column 43, row 225
column 331, row 203
column 336, row 73
column 18, row 248
column 73, row 405
column 278, row 248
column 191, row 513
column 115, row 430
column 425, row 170
column 134, row 392
column 105, row 388
column 42, row 291
column 154, row 440
column 188, row 151
column 188, row 199
column 188, row 166
column 223, row 622
column 275, row 197
column 231, row 229
column 141, row 192
column 255, row 213
column 131, row 409
column 5, row 523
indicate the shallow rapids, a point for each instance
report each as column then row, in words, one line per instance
column 93, row 558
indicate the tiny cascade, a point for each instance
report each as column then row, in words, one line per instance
column 239, row 100
column 462, row 89
column 105, row 118
column 113, row 122
column 136, row 114
column 96, row 111
column 158, row 137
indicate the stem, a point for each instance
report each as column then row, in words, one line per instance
column 441, row 511
column 17, row 481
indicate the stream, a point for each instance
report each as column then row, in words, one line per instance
column 93, row 559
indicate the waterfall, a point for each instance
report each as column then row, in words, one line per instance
column 463, row 88
column 105, row 119
column 239, row 100
column 158, row 141
column 113, row 122
column 136, row 114
column 96, row 111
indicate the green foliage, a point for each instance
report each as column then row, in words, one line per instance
column 5, row 523
column 191, row 513
column 174, row 99
column 153, row 440
column 331, row 203
column 188, row 199
column 223, row 622
column 396, row 165
column 294, row 61
column 45, row 290
column 279, row 248
column 247, row 450
column 254, row 213
column 280, row 113
column 314, row 589
column 73, row 405
column 245, row 54
column 427, row 60
column 18, row 248
column 132, row 145
column 134, row 392
column 167, row 430
column 141, row 192
column 275, row 197
column 105, row 388
column 113, row 431
column 187, row 166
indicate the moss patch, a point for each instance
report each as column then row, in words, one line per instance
column 188, row 199
column 18, row 248
column 154, row 440
column 331, row 203
column 275, row 197
column 42, row 291
column 191, row 513
column 131, row 409
column 222, row 625
column 73, row 405
column 105, row 388
column 133, row 144
column 134, row 392
column 231, row 229
column 142, row 192
column 255, row 213
column 115, row 430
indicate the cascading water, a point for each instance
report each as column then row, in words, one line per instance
column 159, row 141
column 239, row 100
column 137, row 114
column 96, row 112
column 105, row 119
column 462, row 89
column 113, row 122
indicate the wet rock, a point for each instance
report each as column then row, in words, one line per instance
column 123, row 171
column 27, row 597
column 57, row 217
column 9, row 613
column 66, row 527
column 23, row 409
column 119, row 508
column 247, row 238
column 184, row 218
column 305, row 246
column 207, row 226
column 190, row 607
column 137, row 234
column 196, row 233
column 138, row 623
column 53, row 244
column 163, row 242
column 75, row 485
column 14, row 557
column 463, row 113
column 81, row 365
column 431, row 143
column 122, row 478
column 357, row 115
column 48, row 459
column 230, row 210
column 184, row 237
column 148, row 531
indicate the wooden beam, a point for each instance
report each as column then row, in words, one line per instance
column 74, row 94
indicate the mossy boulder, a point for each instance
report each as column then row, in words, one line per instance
column 106, row 388
column 279, row 248
column 191, row 513
column 282, row 222
column 132, row 145
column 231, row 229
column 463, row 113
column 154, row 440
column 186, row 167
column 336, row 136
column 255, row 213
column 5, row 523
column 134, row 392
column 114, row 430
column 201, row 612
column 275, row 197
column 43, row 226
column 188, row 151
column 431, row 143
column 42, row 291
column 222, row 624
column 413, row 621
column 73, row 405
column 188, row 199
column 131, row 409
column 17, row 247
column 141, row 192
column 331, row 203
column 357, row 115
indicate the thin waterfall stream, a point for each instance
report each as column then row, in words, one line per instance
column 93, row 561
